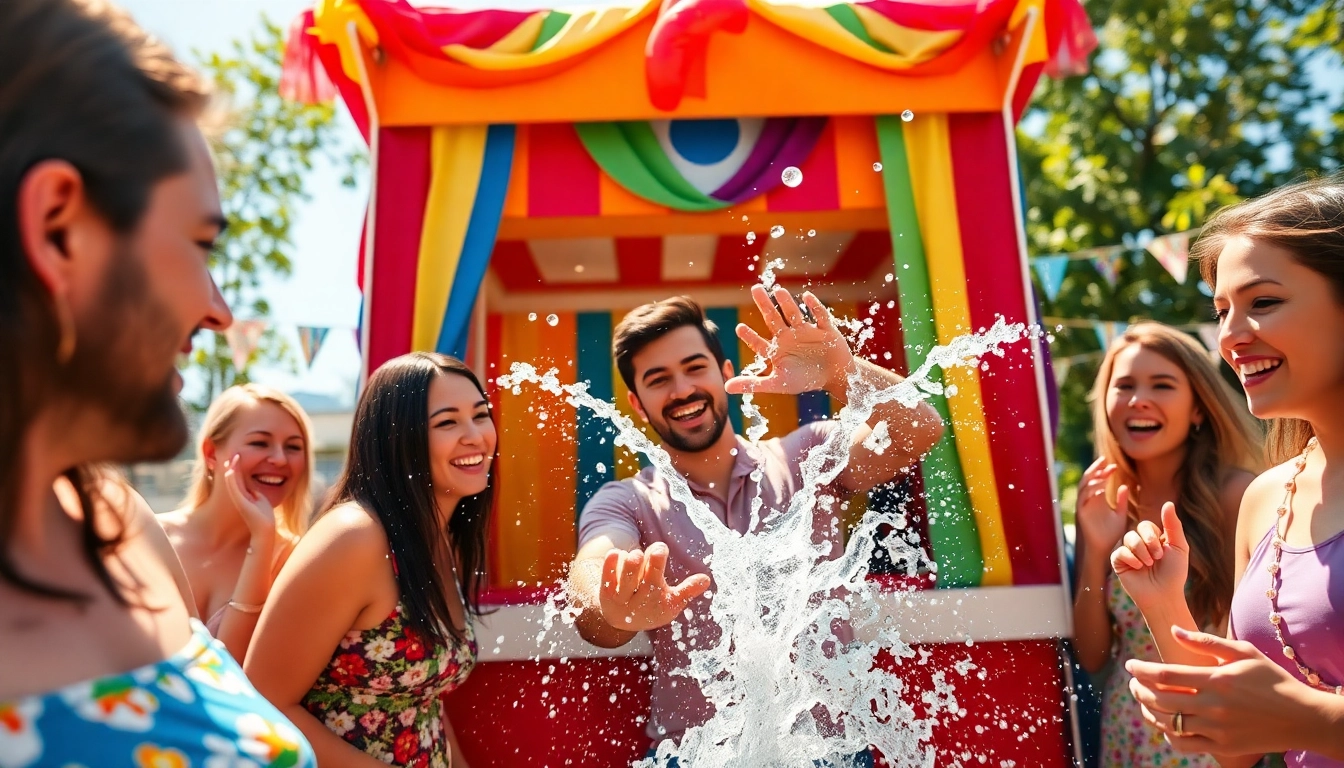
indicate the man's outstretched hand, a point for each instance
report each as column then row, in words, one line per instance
column 635, row 595
column 805, row 354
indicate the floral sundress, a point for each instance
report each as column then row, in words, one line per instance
column 194, row 708
column 381, row 690
column 1127, row 741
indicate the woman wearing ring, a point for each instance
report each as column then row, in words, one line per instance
column 1277, row 683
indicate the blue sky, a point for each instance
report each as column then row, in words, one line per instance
column 322, row 290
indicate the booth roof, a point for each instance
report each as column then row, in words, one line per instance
column 642, row 59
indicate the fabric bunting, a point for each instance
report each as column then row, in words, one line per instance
column 470, row 168
column 490, row 48
column 935, row 193
column 1050, row 270
column 954, row 539
column 474, row 48
column 1173, row 253
column 632, row 155
column 243, row 337
column 1061, row 367
column 310, row 340
column 894, row 35
column 1107, row 331
column 479, row 241
column 1107, row 263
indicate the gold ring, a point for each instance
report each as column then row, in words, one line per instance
column 1178, row 724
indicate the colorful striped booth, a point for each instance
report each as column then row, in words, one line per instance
column 537, row 174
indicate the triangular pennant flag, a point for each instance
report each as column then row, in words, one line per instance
column 243, row 337
column 1208, row 333
column 1106, row 262
column 1061, row 367
column 1107, row 331
column 311, row 340
column 1051, row 269
column 1173, row 253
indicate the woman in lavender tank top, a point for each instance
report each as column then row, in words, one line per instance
column 1276, row 685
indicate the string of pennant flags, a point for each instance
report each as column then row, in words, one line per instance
column 1108, row 330
column 244, row 336
column 1172, row 251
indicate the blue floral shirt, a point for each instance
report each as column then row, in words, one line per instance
column 192, row 710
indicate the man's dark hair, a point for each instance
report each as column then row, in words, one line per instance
column 650, row 322
column 79, row 82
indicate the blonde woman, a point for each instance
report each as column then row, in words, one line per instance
column 248, row 504
column 1168, row 429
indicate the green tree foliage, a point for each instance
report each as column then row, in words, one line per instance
column 265, row 146
column 1188, row 106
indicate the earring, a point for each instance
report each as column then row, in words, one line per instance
column 65, row 318
column 1198, row 424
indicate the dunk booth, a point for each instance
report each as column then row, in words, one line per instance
column 537, row 174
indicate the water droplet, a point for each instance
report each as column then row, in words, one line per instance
column 811, row 233
column 907, row 115
column 552, row 320
column 889, row 277
column 776, row 231
column 791, row 177
column 877, row 167
column 601, row 468
column 532, row 316
column 751, row 237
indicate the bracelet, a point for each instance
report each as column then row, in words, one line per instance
column 244, row 607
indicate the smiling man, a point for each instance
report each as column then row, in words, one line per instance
column 641, row 560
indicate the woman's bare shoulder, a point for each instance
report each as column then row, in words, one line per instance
column 346, row 530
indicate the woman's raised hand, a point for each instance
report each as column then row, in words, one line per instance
column 257, row 512
column 1100, row 524
column 1153, row 562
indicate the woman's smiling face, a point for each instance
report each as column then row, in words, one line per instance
column 461, row 437
column 1281, row 328
column 1149, row 403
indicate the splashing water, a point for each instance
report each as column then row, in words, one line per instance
column 777, row 231
column 552, row 320
column 786, row 693
column 791, row 177
column 907, row 115
column 877, row 167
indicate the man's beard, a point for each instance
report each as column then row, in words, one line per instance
column 699, row 441
column 119, row 367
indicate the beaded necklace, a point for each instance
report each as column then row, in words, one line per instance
column 1276, row 575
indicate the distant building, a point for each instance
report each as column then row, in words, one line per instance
column 164, row 485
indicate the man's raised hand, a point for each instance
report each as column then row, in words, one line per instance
column 635, row 595
column 805, row 354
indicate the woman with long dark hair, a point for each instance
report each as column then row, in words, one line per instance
column 369, row 622
column 1276, row 264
